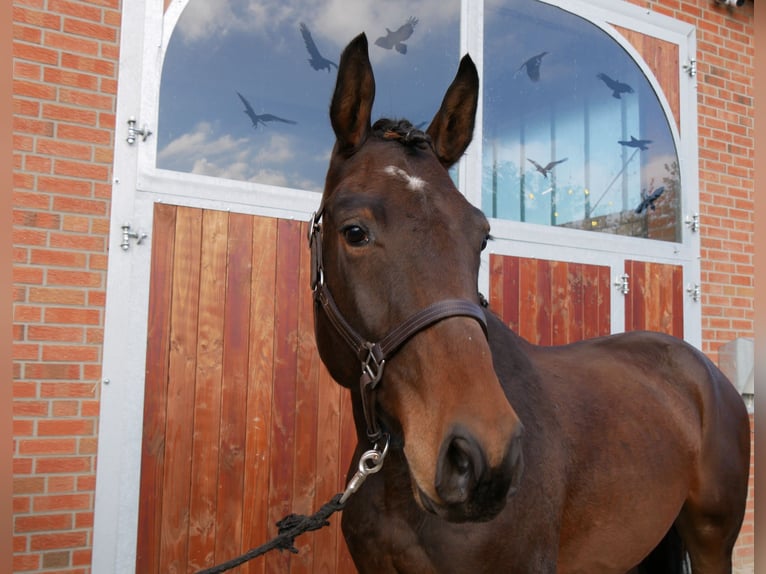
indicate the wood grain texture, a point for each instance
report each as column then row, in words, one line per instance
column 243, row 424
column 550, row 302
column 155, row 401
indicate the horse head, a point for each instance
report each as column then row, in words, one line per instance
column 396, row 241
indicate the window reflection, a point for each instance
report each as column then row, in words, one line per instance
column 574, row 134
column 246, row 84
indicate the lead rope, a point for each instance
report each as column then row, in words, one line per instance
column 293, row 525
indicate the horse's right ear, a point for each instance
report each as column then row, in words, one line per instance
column 351, row 106
column 451, row 130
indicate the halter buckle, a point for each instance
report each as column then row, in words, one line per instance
column 372, row 366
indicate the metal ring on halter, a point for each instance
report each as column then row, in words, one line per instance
column 369, row 463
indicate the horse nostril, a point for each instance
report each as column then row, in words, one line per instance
column 456, row 453
column 460, row 468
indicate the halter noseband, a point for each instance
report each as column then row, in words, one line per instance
column 373, row 356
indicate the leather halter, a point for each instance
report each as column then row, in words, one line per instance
column 373, row 355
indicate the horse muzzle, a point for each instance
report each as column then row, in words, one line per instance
column 469, row 489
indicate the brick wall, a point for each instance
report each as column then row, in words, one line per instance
column 65, row 55
column 64, row 85
column 725, row 70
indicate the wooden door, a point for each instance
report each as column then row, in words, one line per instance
column 242, row 424
column 551, row 302
column 554, row 302
column 655, row 300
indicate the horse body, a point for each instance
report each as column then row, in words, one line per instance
column 504, row 456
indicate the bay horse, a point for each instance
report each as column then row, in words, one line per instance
column 617, row 454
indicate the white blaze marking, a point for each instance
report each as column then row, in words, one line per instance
column 413, row 182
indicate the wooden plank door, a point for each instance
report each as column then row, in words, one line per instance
column 242, row 423
column 655, row 300
column 551, row 302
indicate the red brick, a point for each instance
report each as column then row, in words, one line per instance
column 42, row 522
column 65, row 427
column 98, row 66
column 69, row 114
column 67, row 390
column 84, row 133
column 33, row 90
column 65, row 409
column 75, row 278
column 55, row 147
column 37, row 18
column 64, row 483
column 76, row 9
column 60, row 540
column 79, row 205
column 72, row 78
column 30, row 408
column 34, row 53
column 82, row 170
column 31, row 200
column 25, row 562
column 51, row 333
column 51, row 257
column 23, row 390
column 36, row 219
column 57, row 296
column 40, row 446
column 32, row 126
column 68, row 43
column 58, row 502
column 51, row 371
column 27, row 71
column 64, row 464
column 29, row 485
column 90, row 30
column 27, row 34
column 70, row 353
column 64, row 185
column 90, row 242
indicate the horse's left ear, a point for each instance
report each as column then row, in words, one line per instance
column 351, row 105
column 451, row 130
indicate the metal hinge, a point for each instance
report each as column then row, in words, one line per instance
column 621, row 282
column 127, row 235
column 691, row 67
column 694, row 291
column 144, row 132
column 693, row 221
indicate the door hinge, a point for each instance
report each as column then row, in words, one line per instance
column 144, row 132
column 693, row 221
column 694, row 291
column 691, row 67
column 128, row 234
column 621, row 282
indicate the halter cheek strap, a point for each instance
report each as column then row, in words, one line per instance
column 373, row 355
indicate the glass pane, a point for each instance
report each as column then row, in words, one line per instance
column 246, row 84
column 574, row 134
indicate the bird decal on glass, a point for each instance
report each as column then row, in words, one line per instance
column 396, row 39
column 648, row 199
column 618, row 88
column 636, row 143
column 261, row 119
column 317, row 61
column 548, row 167
column 532, row 66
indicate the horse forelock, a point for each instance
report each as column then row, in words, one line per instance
column 401, row 131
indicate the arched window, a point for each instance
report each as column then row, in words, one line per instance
column 246, row 86
column 574, row 133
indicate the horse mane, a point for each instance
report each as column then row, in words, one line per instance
column 401, row 131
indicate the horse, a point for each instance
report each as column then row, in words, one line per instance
column 625, row 453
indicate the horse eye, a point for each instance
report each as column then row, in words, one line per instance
column 485, row 241
column 355, row 235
